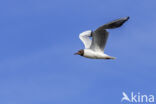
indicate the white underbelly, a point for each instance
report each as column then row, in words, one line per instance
column 94, row 55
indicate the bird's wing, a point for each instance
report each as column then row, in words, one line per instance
column 100, row 35
column 84, row 37
column 114, row 24
column 99, row 39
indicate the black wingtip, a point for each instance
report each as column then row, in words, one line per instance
column 127, row 18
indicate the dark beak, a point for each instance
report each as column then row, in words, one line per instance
column 76, row 53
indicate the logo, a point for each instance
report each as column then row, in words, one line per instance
column 137, row 98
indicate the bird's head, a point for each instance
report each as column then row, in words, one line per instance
column 80, row 52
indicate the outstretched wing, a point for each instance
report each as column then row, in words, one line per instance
column 114, row 24
column 99, row 39
column 84, row 37
column 100, row 35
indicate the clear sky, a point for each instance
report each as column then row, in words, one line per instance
column 38, row 39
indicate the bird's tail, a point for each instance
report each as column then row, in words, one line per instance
column 113, row 58
column 110, row 57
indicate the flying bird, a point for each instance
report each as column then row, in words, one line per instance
column 94, row 48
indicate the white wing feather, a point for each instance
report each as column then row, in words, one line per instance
column 84, row 37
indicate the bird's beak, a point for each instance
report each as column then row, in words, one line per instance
column 76, row 53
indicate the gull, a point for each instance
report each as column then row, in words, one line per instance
column 94, row 48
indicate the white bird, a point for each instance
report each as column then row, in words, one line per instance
column 94, row 48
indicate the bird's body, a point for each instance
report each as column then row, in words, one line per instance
column 89, row 53
column 94, row 48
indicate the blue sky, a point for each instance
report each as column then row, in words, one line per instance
column 38, row 39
